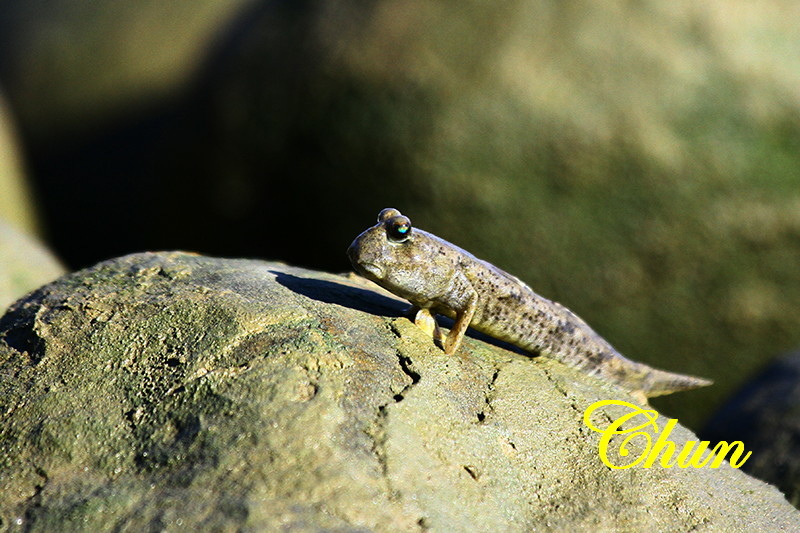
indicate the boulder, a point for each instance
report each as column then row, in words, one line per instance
column 25, row 264
column 167, row 391
column 764, row 415
column 16, row 199
column 635, row 161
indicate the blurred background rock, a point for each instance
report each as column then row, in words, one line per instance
column 637, row 161
column 16, row 201
column 25, row 263
column 764, row 415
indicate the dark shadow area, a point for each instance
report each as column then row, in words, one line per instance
column 331, row 292
column 261, row 136
column 764, row 415
column 371, row 302
column 17, row 327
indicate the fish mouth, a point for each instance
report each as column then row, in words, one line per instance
column 365, row 268
column 371, row 270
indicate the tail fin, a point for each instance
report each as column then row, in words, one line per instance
column 659, row 382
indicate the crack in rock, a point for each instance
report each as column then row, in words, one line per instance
column 559, row 387
column 406, row 366
column 379, row 435
column 488, row 396
column 35, row 501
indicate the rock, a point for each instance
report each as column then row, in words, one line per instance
column 636, row 162
column 172, row 391
column 26, row 264
column 764, row 415
column 16, row 203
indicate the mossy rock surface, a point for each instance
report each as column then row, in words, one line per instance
column 169, row 391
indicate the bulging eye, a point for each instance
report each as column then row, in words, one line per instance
column 398, row 228
column 388, row 213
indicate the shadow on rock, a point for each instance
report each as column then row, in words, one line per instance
column 331, row 292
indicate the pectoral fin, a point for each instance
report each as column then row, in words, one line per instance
column 425, row 321
column 463, row 319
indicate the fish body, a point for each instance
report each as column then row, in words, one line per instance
column 438, row 277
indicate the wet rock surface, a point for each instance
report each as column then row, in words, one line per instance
column 166, row 391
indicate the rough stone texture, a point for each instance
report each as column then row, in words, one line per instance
column 765, row 415
column 636, row 161
column 171, row 391
column 25, row 264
